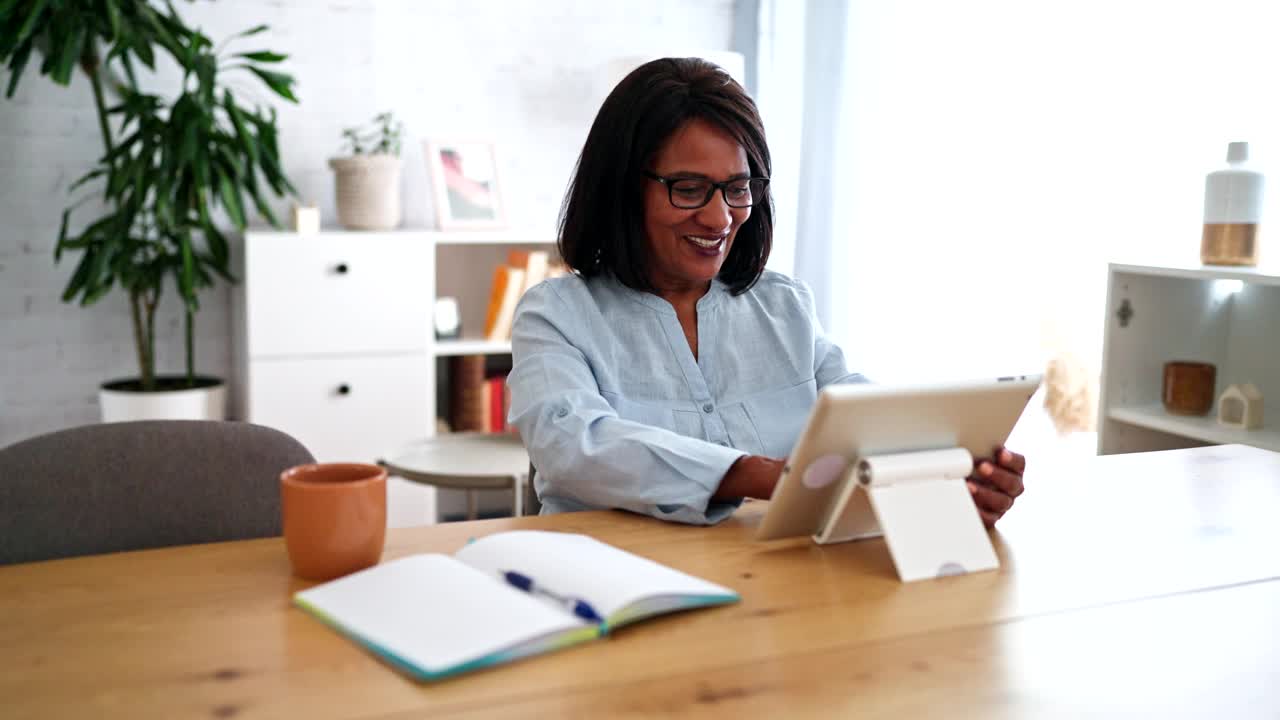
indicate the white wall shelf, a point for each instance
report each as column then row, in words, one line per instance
column 471, row 346
column 1205, row 429
column 491, row 237
column 1156, row 314
column 1203, row 272
column 439, row 237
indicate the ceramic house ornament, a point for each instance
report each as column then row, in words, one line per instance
column 306, row 219
column 1240, row 407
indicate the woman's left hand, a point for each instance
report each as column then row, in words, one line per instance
column 995, row 483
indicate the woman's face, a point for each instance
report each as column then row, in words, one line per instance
column 687, row 247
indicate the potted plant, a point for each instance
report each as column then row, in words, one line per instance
column 170, row 165
column 367, row 179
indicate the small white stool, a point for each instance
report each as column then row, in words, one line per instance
column 468, row 461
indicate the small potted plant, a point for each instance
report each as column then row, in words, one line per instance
column 367, row 179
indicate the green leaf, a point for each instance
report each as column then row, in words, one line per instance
column 167, row 30
column 128, row 69
column 95, row 173
column 206, row 69
column 62, row 235
column 17, row 63
column 37, row 9
column 76, row 283
column 101, row 278
column 97, row 293
column 231, row 201
column 113, row 16
column 6, row 7
column 204, row 180
column 142, row 48
column 280, row 83
column 238, row 123
column 189, row 141
column 221, row 268
column 186, row 278
column 261, row 204
column 251, row 31
column 263, row 56
column 70, row 54
column 231, row 162
column 123, row 147
column 219, row 251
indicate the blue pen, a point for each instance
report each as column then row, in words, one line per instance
column 579, row 607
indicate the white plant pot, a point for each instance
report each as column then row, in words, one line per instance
column 367, row 188
column 199, row 403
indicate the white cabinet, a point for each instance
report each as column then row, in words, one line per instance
column 338, row 294
column 357, row 408
column 333, row 340
column 1226, row 316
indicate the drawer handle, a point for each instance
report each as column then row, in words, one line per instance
column 344, row 389
column 341, row 269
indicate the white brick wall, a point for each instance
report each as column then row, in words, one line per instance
column 520, row 73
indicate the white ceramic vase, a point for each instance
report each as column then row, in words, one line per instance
column 367, row 189
column 120, row 404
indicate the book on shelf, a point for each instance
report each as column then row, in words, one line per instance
column 466, row 393
column 523, row 270
column 508, row 283
column 495, row 400
column 478, row 396
column 503, row 597
column 535, row 264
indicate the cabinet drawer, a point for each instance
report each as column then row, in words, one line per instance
column 349, row 409
column 345, row 294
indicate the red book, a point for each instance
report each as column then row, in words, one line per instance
column 506, row 407
column 497, row 414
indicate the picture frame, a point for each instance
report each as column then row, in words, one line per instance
column 464, row 181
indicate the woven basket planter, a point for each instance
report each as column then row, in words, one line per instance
column 367, row 188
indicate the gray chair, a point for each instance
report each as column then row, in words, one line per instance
column 135, row 485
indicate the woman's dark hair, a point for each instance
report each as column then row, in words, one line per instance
column 602, row 218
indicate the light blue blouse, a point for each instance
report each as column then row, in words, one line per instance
column 616, row 412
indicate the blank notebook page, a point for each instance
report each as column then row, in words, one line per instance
column 434, row 612
column 570, row 564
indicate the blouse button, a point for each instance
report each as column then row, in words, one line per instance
column 708, row 408
column 562, row 412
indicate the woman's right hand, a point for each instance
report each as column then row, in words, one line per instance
column 752, row 476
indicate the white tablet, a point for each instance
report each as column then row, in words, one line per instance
column 850, row 422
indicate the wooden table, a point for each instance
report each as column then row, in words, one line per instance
column 1136, row 585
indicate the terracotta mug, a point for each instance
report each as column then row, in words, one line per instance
column 335, row 518
column 1188, row 387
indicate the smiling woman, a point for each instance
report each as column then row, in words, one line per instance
column 671, row 373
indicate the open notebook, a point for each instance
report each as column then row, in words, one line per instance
column 433, row 616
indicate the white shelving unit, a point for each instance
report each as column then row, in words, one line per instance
column 449, row 348
column 1205, row 429
column 464, row 263
column 334, row 340
column 488, row 237
column 1226, row 316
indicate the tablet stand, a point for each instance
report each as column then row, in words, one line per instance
column 919, row 502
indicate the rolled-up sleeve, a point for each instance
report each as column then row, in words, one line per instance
column 585, row 454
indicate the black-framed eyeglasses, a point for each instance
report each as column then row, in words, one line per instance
column 693, row 193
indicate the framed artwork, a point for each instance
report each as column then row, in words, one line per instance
column 464, row 179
